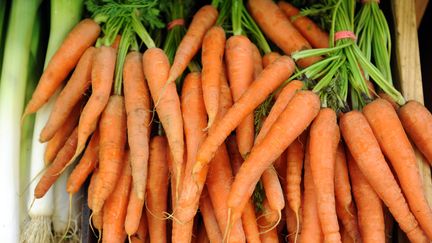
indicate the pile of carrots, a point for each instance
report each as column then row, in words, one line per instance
column 197, row 166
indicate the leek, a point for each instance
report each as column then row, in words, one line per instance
column 3, row 7
column 12, row 93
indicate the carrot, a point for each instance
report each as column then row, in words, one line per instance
column 273, row 190
column 167, row 103
column 86, row 165
column 417, row 122
column 299, row 113
column 141, row 233
column 112, row 132
column 69, row 96
column 90, row 190
column 240, row 67
column 81, row 37
column 387, row 97
column 280, row 166
column 292, row 226
column 57, row 166
column 57, row 142
column 134, row 212
column 271, row 217
column 369, row 206
column 345, row 208
column 97, row 221
column 279, row 29
column 102, row 79
column 311, row 231
column 269, row 79
column 397, row 148
column 212, row 60
column 137, row 104
column 256, row 55
column 203, row 20
column 157, row 189
column 115, row 207
column 209, row 218
column 268, row 235
column 366, row 152
column 270, row 57
column 311, row 31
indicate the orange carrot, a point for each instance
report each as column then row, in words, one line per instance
column 54, row 170
column 280, row 166
column 97, row 220
column 240, row 67
column 167, row 103
column 141, row 234
column 57, row 142
column 271, row 217
column 269, row 58
column 256, row 55
column 417, row 122
column 115, row 207
column 299, row 113
column 69, row 96
column 102, row 80
column 137, row 104
column 81, row 37
column 212, row 60
column 345, row 208
column 134, row 212
column 311, row 31
column 369, row 206
column 112, row 132
column 397, row 148
column 86, row 165
column 269, row 79
column 292, row 226
column 157, row 189
column 269, row 233
column 366, row 152
column 90, row 190
column 273, row 189
column 203, row 20
column 279, row 29
column 209, row 218
column 387, row 97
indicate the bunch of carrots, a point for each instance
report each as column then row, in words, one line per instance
column 249, row 145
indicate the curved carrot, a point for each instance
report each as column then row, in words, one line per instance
column 90, row 190
column 69, row 96
column 366, row 152
column 203, row 20
column 397, row 148
column 137, row 104
column 209, row 218
column 311, row 31
column 133, row 213
column 212, row 60
column 269, row 58
column 273, row 189
column 112, row 132
column 279, row 29
column 97, row 221
column 81, row 37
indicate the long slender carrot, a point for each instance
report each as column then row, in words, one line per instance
column 203, row 20
column 112, row 131
column 240, row 69
column 209, row 218
column 258, row 65
column 137, row 103
column 269, row 58
column 90, row 190
column 369, row 206
column 115, row 207
column 70, row 95
column 97, row 221
column 86, row 165
column 292, row 226
column 397, row 148
column 299, row 113
column 273, row 189
column 141, row 234
column 269, row 79
column 81, row 37
column 417, row 122
column 311, row 31
column 134, row 212
column 54, row 170
column 157, row 189
column 279, row 29
column 167, row 103
column 212, row 60
column 365, row 150
column 102, row 80
column 56, row 143
column 345, row 208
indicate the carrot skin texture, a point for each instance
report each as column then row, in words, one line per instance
column 417, row 122
column 137, row 104
column 81, row 37
column 397, row 148
column 90, row 190
column 257, row 59
column 203, row 20
column 134, row 212
column 269, row 58
column 69, row 96
column 112, row 131
column 299, row 112
column 115, row 207
column 212, row 60
column 369, row 206
column 311, row 31
column 210, row 222
column 366, row 152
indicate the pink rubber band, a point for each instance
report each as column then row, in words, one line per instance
column 174, row 23
column 343, row 34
